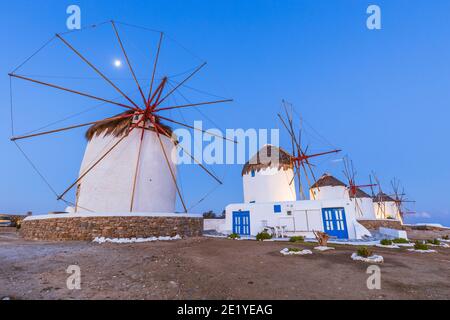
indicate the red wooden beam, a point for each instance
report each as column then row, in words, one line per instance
column 72, row 91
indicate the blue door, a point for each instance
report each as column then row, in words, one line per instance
column 334, row 222
column 241, row 223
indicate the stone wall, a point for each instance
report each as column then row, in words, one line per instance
column 87, row 228
column 386, row 223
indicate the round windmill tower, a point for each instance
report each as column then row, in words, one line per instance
column 328, row 187
column 363, row 202
column 400, row 201
column 385, row 206
column 267, row 176
column 145, row 185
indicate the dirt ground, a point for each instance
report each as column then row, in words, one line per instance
column 206, row 268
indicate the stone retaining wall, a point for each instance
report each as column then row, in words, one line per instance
column 386, row 223
column 87, row 228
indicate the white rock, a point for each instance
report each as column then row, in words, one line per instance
column 405, row 244
column 372, row 259
column 392, row 246
column 286, row 252
column 134, row 240
column 323, row 248
column 422, row 251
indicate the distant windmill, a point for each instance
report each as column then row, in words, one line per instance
column 300, row 157
column 400, row 199
column 355, row 193
column 384, row 205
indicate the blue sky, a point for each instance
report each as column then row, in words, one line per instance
column 382, row 96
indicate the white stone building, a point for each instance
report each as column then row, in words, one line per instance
column 270, row 203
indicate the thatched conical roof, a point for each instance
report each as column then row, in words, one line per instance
column 328, row 180
column 383, row 197
column 262, row 160
column 117, row 126
column 361, row 194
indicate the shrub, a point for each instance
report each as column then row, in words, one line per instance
column 263, row 236
column 386, row 242
column 297, row 239
column 364, row 252
column 234, row 236
column 436, row 242
column 445, row 237
column 400, row 240
column 420, row 246
column 293, row 249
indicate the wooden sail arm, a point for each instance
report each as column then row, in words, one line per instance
column 128, row 62
column 303, row 157
column 181, row 83
column 96, row 70
column 68, row 128
column 72, row 91
column 172, row 174
column 189, row 154
column 193, row 105
column 155, row 64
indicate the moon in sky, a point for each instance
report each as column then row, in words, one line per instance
column 117, row 63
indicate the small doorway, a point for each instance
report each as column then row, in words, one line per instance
column 334, row 222
column 241, row 223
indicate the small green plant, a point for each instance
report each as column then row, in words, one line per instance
column 386, row 242
column 234, row 236
column 364, row 252
column 420, row 246
column 436, row 242
column 293, row 249
column 297, row 239
column 263, row 236
column 400, row 240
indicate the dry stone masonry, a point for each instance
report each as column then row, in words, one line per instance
column 87, row 228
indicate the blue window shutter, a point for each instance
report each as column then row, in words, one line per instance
column 277, row 208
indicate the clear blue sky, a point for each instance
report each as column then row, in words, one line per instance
column 382, row 96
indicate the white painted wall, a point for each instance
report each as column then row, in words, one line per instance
column 300, row 217
column 386, row 210
column 393, row 233
column 269, row 185
column 108, row 187
column 214, row 224
column 364, row 208
column 328, row 193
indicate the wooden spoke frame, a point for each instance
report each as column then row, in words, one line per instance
column 300, row 159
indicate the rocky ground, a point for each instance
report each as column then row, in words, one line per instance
column 206, row 268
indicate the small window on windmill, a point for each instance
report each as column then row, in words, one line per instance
column 253, row 173
column 277, row 208
column 289, row 213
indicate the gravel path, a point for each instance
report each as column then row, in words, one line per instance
column 206, row 268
